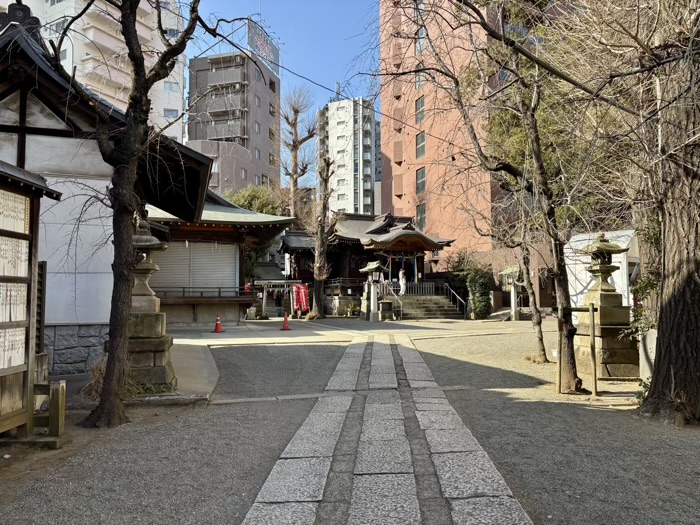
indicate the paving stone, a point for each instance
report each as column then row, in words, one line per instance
column 384, row 457
column 383, row 397
column 343, row 380
column 343, row 463
column 441, row 420
column 382, row 381
column 281, row 514
column 331, row 513
column 332, row 404
column 383, row 412
column 295, row 480
column 378, row 429
column 440, row 407
column 349, row 364
column 428, row 393
column 418, row 375
column 338, row 487
column 432, row 401
column 410, row 355
column 457, row 440
column 316, row 437
column 468, row 475
column 384, row 499
column 419, row 383
column 487, row 511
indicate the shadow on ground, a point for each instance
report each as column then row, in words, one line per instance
column 572, row 462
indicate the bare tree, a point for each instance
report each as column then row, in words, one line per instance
column 122, row 149
column 320, row 230
column 299, row 129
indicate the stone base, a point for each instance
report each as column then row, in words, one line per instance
column 145, row 304
column 146, row 325
column 158, row 376
column 148, row 344
column 611, row 362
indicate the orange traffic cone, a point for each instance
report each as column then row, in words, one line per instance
column 217, row 327
column 285, row 326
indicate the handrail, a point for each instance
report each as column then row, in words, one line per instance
column 447, row 286
column 399, row 300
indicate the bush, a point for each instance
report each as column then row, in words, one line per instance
column 478, row 283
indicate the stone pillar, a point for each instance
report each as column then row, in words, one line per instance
column 514, row 312
column 374, row 304
column 616, row 356
column 149, row 345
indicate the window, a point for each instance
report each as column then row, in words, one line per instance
column 265, row 179
column 215, row 166
column 342, row 196
column 257, row 127
column 342, row 182
column 59, row 26
column 340, row 167
column 170, row 32
column 172, row 87
column 420, row 77
column 271, row 133
column 257, row 155
column 272, row 109
column 257, row 180
column 420, row 144
column 420, row 180
column 341, row 138
column 257, row 101
column 420, row 8
column 271, row 159
column 64, row 54
column 270, row 257
column 54, row 2
column 420, row 110
column 272, row 85
column 258, row 74
column 420, row 216
column 170, row 113
column 436, row 254
column 420, row 40
column 340, row 123
column 244, row 174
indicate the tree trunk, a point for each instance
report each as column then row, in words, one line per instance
column 541, row 356
column 570, row 382
column 293, row 183
column 675, row 386
column 110, row 410
column 320, row 268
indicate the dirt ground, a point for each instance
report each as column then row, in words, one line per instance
column 568, row 459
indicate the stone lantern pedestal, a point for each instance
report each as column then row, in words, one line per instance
column 149, row 346
column 616, row 356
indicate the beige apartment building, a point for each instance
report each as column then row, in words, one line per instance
column 96, row 49
column 428, row 166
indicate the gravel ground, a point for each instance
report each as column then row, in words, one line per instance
column 261, row 371
column 197, row 467
column 569, row 460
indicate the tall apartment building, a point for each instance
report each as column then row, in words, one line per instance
column 428, row 169
column 347, row 134
column 235, row 119
column 96, row 49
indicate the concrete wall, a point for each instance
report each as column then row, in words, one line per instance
column 201, row 313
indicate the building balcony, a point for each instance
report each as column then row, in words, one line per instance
column 398, row 185
column 226, row 131
column 101, row 73
column 106, row 16
column 367, row 142
column 367, row 186
column 236, row 101
column 367, row 156
column 366, row 127
column 227, row 76
column 396, row 88
column 397, row 54
column 367, row 200
column 398, row 119
column 398, row 152
column 367, row 170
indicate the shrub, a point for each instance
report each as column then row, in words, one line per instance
column 478, row 283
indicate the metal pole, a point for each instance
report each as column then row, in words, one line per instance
column 560, row 323
column 591, row 308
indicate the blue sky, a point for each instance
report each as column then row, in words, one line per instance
column 328, row 41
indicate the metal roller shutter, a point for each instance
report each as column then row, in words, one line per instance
column 174, row 266
column 214, row 264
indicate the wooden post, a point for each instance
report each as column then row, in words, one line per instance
column 560, row 322
column 594, row 369
column 57, row 408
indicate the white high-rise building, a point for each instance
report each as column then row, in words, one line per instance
column 346, row 133
column 96, row 49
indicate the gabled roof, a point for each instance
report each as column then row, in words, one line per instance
column 295, row 240
column 26, row 179
column 218, row 210
column 171, row 176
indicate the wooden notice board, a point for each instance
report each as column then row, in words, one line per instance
column 19, row 223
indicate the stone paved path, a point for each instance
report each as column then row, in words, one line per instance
column 384, row 447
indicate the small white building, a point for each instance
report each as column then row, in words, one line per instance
column 580, row 280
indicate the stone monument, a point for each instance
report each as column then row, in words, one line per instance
column 149, row 346
column 616, row 356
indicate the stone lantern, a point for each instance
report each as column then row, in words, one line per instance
column 149, row 346
column 616, row 356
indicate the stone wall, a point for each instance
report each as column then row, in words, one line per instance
column 73, row 349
